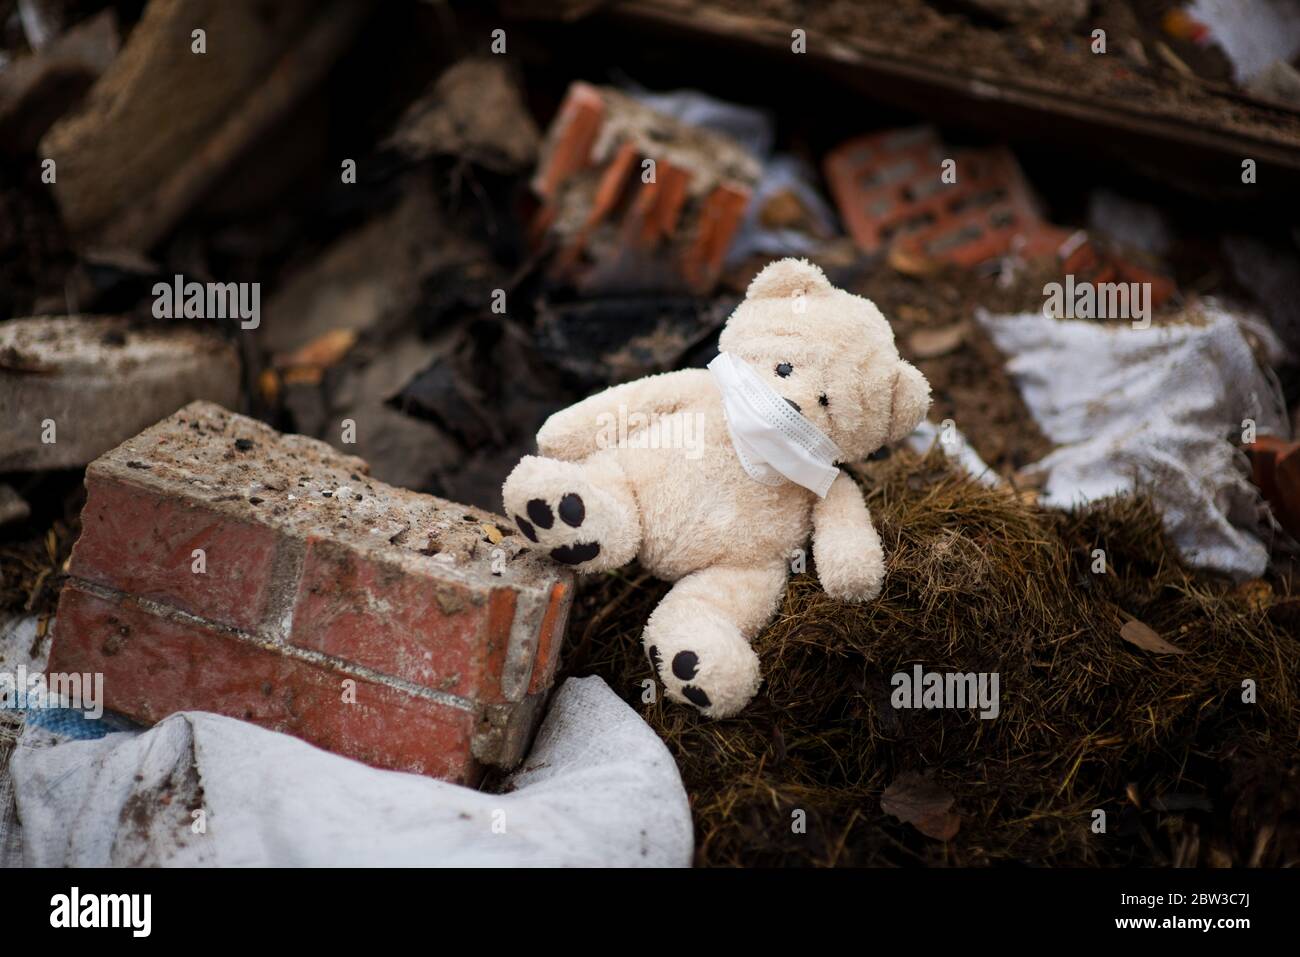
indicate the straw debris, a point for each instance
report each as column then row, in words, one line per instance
column 983, row 580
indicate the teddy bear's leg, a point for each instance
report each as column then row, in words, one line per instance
column 581, row 513
column 698, row 638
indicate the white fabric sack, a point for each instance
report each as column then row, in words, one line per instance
column 1253, row 34
column 1154, row 407
column 598, row 789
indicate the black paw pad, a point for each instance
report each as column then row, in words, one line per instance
column 576, row 554
column 656, row 659
column 696, row 696
column 526, row 527
column 572, row 510
column 685, row 665
column 540, row 513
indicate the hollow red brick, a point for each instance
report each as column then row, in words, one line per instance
column 890, row 193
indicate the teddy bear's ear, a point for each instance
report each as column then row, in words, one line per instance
column 787, row 277
column 911, row 400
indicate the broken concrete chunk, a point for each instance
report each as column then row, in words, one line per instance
column 635, row 200
column 72, row 387
column 226, row 567
column 474, row 111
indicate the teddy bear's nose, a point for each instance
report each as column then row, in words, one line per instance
column 794, row 404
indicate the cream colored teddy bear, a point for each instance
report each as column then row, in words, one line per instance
column 714, row 479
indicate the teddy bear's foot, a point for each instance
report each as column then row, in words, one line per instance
column 581, row 513
column 697, row 639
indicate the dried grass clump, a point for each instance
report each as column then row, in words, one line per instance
column 982, row 580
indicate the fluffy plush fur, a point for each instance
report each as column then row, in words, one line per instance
column 647, row 470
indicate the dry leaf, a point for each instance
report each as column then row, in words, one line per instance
column 783, row 211
column 1136, row 633
column 492, row 532
column 268, row 384
column 932, row 343
column 321, row 353
column 303, row 375
column 1256, row 593
column 911, row 263
column 917, row 800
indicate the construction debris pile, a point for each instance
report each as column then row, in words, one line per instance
column 302, row 281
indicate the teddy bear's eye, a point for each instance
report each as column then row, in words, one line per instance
column 783, row 369
column 823, row 400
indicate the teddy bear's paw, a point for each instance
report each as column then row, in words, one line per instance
column 713, row 668
column 566, row 509
column 847, row 570
column 855, row 584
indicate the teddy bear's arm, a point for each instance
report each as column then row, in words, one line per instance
column 574, row 433
column 846, row 548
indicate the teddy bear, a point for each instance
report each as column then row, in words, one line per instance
column 714, row 479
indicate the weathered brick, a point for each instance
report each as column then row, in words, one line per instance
column 314, row 573
column 614, row 230
column 890, row 193
column 155, row 664
column 159, row 564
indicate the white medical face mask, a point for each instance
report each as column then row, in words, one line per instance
column 773, row 441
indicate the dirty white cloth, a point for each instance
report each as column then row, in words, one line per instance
column 19, row 649
column 772, row 440
column 1154, row 407
column 1254, row 34
column 598, row 789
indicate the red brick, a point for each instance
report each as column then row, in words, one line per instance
column 154, row 666
column 1286, row 474
column 1081, row 257
column 1275, row 466
column 344, row 601
column 615, row 233
column 313, row 569
column 552, row 633
column 159, row 564
column 889, row 191
column 573, row 133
